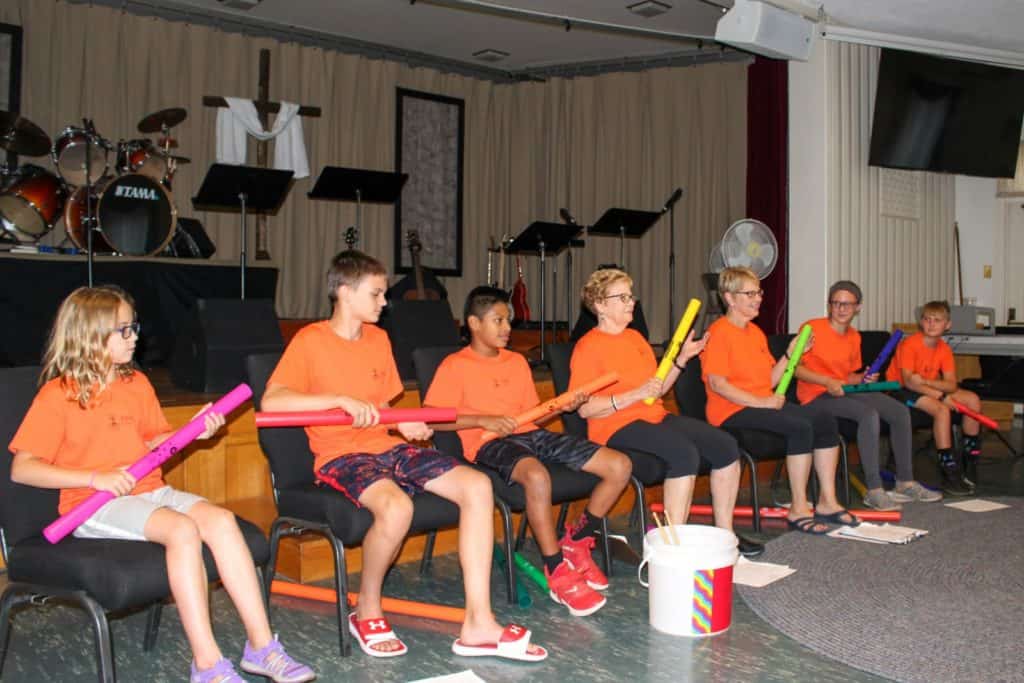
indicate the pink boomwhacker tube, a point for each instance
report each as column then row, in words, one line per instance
column 558, row 403
column 981, row 419
column 323, row 418
column 67, row 523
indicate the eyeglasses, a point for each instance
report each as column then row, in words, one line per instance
column 843, row 305
column 624, row 298
column 126, row 331
column 752, row 293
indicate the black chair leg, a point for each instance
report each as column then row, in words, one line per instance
column 606, row 547
column 11, row 597
column 341, row 587
column 640, row 505
column 751, row 466
column 563, row 512
column 506, row 541
column 104, row 647
column 521, row 534
column 152, row 626
column 844, row 472
column 428, row 553
column 271, row 568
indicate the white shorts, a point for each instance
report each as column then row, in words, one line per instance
column 125, row 517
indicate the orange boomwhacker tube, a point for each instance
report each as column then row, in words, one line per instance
column 556, row 404
column 456, row 615
column 780, row 513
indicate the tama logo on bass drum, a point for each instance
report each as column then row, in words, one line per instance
column 132, row 192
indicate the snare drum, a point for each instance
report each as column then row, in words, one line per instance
column 31, row 203
column 143, row 157
column 135, row 216
column 68, row 156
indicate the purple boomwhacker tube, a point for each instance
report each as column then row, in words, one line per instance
column 67, row 523
column 887, row 350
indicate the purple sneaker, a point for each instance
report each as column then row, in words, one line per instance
column 221, row 672
column 274, row 663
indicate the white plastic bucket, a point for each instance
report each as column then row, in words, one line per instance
column 690, row 584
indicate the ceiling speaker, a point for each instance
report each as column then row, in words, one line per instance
column 766, row 30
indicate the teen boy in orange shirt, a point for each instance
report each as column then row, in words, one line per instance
column 345, row 362
column 924, row 365
column 489, row 385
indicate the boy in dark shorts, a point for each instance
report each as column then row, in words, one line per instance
column 924, row 365
column 345, row 362
column 488, row 385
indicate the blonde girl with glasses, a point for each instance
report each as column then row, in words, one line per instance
column 95, row 415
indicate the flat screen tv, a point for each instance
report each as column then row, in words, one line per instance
column 946, row 115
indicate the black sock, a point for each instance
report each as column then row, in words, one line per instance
column 586, row 525
column 946, row 456
column 552, row 561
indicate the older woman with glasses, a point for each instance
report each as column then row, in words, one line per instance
column 619, row 417
column 740, row 374
column 834, row 361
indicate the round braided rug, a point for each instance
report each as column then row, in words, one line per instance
column 947, row 607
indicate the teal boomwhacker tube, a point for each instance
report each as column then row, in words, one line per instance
column 522, row 594
column 870, row 386
column 794, row 360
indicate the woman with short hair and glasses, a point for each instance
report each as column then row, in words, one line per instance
column 836, row 360
column 740, row 374
column 618, row 416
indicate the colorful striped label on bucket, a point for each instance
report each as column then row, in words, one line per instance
column 712, row 600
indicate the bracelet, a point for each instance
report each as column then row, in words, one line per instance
column 614, row 407
column 680, row 368
column 786, row 354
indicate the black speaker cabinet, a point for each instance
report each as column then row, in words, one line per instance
column 216, row 336
column 190, row 241
column 414, row 324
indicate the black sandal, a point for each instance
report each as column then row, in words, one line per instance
column 837, row 518
column 806, row 525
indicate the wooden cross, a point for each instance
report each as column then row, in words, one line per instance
column 264, row 108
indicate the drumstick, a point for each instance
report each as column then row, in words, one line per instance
column 556, row 404
column 671, row 528
column 794, row 360
column 879, row 361
column 661, row 529
column 674, row 346
column 323, row 418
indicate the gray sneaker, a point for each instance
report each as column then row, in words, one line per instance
column 879, row 499
column 914, row 492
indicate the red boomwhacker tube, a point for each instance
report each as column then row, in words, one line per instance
column 410, row 608
column 322, row 418
column 557, row 404
column 781, row 513
column 982, row 419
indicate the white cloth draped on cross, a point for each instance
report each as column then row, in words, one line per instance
column 239, row 118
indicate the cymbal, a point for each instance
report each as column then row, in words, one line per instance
column 21, row 136
column 154, row 123
column 169, row 143
column 180, row 160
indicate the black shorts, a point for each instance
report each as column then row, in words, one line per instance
column 502, row 454
column 906, row 396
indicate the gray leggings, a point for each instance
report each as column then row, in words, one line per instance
column 867, row 410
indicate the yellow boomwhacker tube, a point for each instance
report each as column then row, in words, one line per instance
column 794, row 360
column 674, row 346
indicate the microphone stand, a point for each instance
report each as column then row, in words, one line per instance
column 90, row 226
column 670, row 206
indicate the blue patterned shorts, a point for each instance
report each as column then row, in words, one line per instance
column 411, row 467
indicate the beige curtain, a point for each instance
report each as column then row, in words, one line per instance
column 625, row 139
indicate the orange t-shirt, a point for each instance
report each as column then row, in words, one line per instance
column 112, row 432
column 627, row 353
column 833, row 355
column 478, row 385
column 318, row 361
column 914, row 355
column 741, row 355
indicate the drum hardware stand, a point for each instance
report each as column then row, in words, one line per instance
column 569, row 220
column 89, row 217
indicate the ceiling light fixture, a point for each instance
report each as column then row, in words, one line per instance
column 649, row 8
column 490, row 55
column 240, row 4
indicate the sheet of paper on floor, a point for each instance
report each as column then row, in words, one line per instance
column 879, row 533
column 977, row 505
column 466, row 676
column 759, row 574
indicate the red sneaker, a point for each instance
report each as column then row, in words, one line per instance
column 567, row 587
column 577, row 554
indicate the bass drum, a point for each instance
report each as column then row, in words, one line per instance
column 134, row 214
column 31, row 203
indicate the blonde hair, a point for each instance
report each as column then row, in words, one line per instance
column 76, row 351
column 598, row 283
column 731, row 279
column 936, row 308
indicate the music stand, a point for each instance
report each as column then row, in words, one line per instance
column 542, row 239
column 227, row 187
column 358, row 185
column 623, row 223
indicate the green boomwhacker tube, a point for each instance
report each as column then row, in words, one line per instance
column 794, row 360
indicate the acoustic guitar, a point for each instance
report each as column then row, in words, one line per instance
column 520, row 308
column 421, row 292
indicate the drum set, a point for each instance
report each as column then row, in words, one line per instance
column 130, row 210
